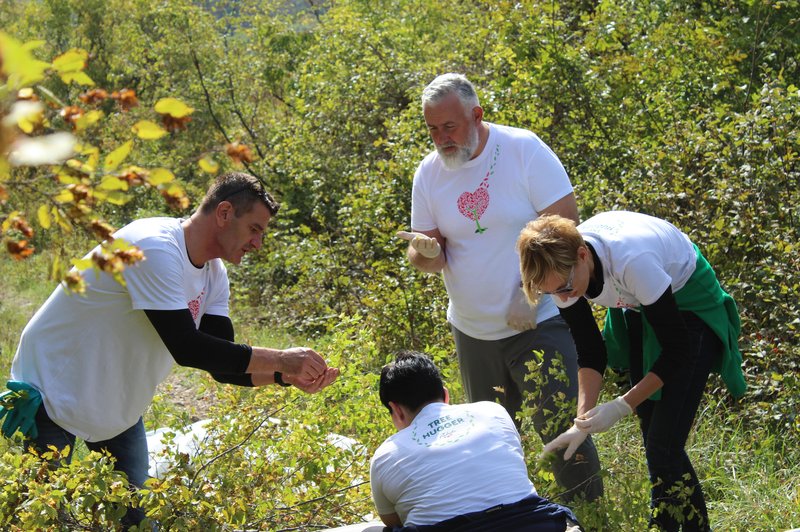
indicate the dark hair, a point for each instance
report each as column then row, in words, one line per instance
column 412, row 380
column 241, row 190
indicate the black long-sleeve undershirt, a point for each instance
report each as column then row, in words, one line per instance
column 588, row 340
column 210, row 348
column 665, row 319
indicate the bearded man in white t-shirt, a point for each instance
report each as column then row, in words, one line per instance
column 471, row 197
column 97, row 358
column 452, row 467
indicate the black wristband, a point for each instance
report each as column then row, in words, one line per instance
column 279, row 379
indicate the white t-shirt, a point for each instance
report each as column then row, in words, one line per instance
column 641, row 257
column 480, row 209
column 96, row 358
column 451, row 460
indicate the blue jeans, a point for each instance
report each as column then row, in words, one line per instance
column 129, row 448
column 676, row 498
column 487, row 365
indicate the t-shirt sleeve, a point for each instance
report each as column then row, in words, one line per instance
column 548, row 181
column 157, row 281
column 220, row 292
column 422, row 218
column 645, row 278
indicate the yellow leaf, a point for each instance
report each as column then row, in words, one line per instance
column 67, row 179
column 18, row 64
column 173, row 107
column 113, row 183
column 208, row 165
column 82, row 264
column 145, row 129
column 116, row 157
column 88, row 119
column 70, row 61
column 70, row 65
column 92, row 151
column 118, row 198
column 78, row 77
column 159, row 176
column 62, row 221
column 120, row 244
column 44, row 216
column 65, row 196
column 175, row 189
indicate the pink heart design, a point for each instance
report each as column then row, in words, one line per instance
column 474, row 204
column 194, row 305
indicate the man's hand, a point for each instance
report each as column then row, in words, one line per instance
column 571, row 439
column 426, row 246
column 520, row 315
column 303, row 363
column 313, row 386
column 602, row 417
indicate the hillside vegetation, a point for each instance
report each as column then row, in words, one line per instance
column 686, row 110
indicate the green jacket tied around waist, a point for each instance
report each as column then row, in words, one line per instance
column 705, row 297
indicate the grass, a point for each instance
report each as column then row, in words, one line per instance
column 24, row 286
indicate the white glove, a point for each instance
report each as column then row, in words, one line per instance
column 571, row 439
column 520, row 315
column 602, row 417
column 426, row 246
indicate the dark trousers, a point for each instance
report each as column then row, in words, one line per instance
column 676, row 498
column 490, row 365
column 531, row 514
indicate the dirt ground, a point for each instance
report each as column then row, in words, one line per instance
column 185, row 393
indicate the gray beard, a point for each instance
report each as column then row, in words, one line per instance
column 463, row 154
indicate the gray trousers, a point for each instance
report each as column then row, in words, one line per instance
column 495, row 370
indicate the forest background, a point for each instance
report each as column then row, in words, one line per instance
column 686, row 110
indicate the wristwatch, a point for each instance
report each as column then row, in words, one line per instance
column 279, row 379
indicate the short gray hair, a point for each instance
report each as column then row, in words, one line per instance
column 447, row 84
